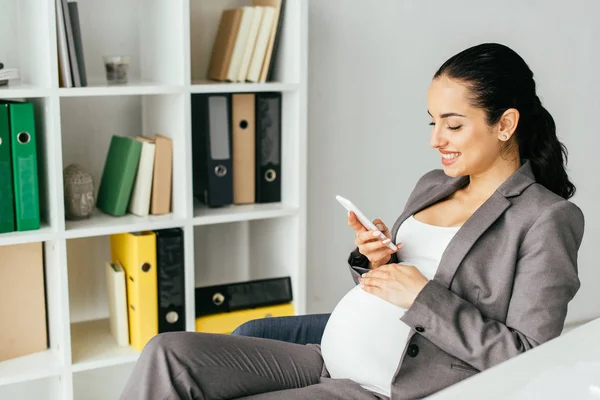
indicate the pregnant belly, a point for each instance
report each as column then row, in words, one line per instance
column 364, row 340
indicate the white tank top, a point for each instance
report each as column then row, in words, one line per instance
column 364, row 337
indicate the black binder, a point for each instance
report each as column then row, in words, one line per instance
column 171, row 280
column 212, row 149
column 268, row 147
column 242, row 295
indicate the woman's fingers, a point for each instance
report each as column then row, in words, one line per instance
column 382, row 227
column 355, row 223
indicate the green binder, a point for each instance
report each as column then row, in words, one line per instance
column 7, row 213
column 118, row 175
column 24, row 164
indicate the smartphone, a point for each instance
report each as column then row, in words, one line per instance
column 366, row 222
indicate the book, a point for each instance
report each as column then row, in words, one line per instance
column 118, row 175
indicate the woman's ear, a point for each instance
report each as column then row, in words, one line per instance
column 508, row 124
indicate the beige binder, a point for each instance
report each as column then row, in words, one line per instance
column 22, row 301
column 244, row 139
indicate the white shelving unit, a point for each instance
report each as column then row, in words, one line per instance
column 169, row 42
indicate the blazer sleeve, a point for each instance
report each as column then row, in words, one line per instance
column 546, row 280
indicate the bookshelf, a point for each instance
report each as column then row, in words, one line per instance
column 169, row 42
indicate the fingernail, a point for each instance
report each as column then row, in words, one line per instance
column 399, row 245
column 376, row 233
column 386, row 241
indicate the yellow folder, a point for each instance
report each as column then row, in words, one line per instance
column 227, row 322
column 137, row 254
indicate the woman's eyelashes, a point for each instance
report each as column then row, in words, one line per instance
column 452, row 128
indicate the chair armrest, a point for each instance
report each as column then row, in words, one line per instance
column 301, row 329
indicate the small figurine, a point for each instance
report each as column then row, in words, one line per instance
column 79, row 192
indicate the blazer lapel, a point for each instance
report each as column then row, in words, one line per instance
column 468, row 234
column 476, row 225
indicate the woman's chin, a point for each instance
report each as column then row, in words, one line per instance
column 453, row 171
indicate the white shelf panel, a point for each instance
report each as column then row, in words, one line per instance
column 226, row 87
column 129, row 89
column 94, row 347
column 16, row 90
column 30, row 367
column 39, row 235
column 206, row 216
column 103, row 224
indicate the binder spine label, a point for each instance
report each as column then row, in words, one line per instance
column 26, row 189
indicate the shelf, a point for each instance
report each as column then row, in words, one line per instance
column 226, row 87
column 103, row 224
column 93, row 346
column 39, row 235
column 30, row 367
column 130, row 89
column 16, row 90
column 207, row 216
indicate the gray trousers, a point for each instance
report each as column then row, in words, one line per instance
column 203, row 366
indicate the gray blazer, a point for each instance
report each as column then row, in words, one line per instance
column 502, row 286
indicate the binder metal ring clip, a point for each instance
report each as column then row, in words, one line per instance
column 220, row 171
column 218, row 299
column 270, row 175
column 23, row 137
column 172, row 317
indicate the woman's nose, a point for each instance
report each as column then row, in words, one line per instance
column 436, row 140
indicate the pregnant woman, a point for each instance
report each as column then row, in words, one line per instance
column 485, row 265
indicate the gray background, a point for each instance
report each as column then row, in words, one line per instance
column 370, row 65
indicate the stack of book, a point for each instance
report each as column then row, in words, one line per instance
column 222, row 308
column 70, row 46
column 137, row 176
column 246, row 42
column 145, row 280
column 19, row 191
column 7, row 74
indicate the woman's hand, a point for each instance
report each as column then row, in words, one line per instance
column 398, row 284
column 372, row 244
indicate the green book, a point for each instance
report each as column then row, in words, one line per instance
column 7, row 213
column 118, row 175
column 24, row 164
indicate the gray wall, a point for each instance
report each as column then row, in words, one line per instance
column 369, row 69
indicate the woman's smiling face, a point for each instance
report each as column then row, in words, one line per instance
column 468, row 145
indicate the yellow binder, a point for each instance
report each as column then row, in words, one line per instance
column 137, row 254
column 227, row 322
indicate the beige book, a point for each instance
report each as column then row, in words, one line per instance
column 22, row 301
column 224, row 43
column 269, row 52
column 162, row 176
column 240, row 43
column 250, row 43
column 140, row 196
column 117, row 303
column 244, row 139
column 258, row 56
